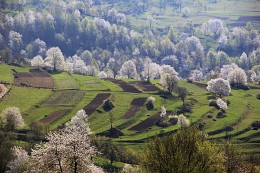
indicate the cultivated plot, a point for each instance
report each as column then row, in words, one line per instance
column 34, row 78
column 96, row 102
column 64, row 98
column 124, row 85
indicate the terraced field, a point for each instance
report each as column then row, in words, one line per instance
column 64, row 98
column 130, row 115
column 65, row 81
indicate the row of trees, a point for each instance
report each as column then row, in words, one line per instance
column 143, row 68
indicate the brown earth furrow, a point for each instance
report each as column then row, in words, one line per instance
column 96, row 102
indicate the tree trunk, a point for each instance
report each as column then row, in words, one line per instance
column 75, row 161
column 59, row 161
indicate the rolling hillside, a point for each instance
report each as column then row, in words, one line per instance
column 51, row 108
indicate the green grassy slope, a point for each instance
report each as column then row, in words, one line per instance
column 35, row 104
column 228, row 11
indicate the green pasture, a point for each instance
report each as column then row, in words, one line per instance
column 90, row 83
column 6, row 72
column 64, row 98
column 36, row 104
column 228, row 11
column 25, row 99
column 64, row 81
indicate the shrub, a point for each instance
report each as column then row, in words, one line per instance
column 221, row 114
column 186, row 108
column 213, row 103
column 108, row 105
column 229, row 128
column 228, row 102
column 202, row 125
column 173, row 120
column 256, row 124
column 209, row 116
column 149, row 104
column 258, row 96
column 189, row 80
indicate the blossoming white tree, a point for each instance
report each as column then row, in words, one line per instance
column 67, row 150
column 151, row 99
column 169, row 81
column 183, row 121
column 18, row 164
column 226, row 69
column 185, row 12
column 76, row 65
column 151, row 70
column 12, row 118
column 255, row 78
column 128, row 70
column 219, row 86
column 237, row 77
column 102, row 74
column 244, row 61
column 131, row 169
column 55, row 59
column 221, row 104
column 15, row 41
column 196, row 75
column 222, row 42
column 3, row 90
column 163, row 113
column 213, row 27
column 37, row 61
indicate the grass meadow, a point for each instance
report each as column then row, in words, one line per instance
column 76, row 91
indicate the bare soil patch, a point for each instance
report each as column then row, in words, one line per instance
column 96, row 102
column 149, row 122
column 146, row 86
column 248, row 18
column 237, row 24
column 136, row 105
column 35, row 78
column 54, row 116
column 124, row 85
